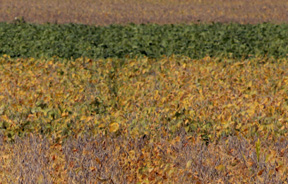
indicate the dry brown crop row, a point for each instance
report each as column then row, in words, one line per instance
column 107, row 12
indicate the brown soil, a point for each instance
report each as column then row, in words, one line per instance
column 98, row 12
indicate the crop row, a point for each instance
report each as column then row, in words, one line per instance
column 142, row 96
column 195, row 40
column 143, row 120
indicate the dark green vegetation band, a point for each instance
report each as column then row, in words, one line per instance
column 195, row 41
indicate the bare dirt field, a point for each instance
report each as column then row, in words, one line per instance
column 98, row 12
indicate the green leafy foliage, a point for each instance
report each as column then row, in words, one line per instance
column 152, row 40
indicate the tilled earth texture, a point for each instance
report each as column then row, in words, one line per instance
column 98, row 12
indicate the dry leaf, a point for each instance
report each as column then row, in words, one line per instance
column 113, row 127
